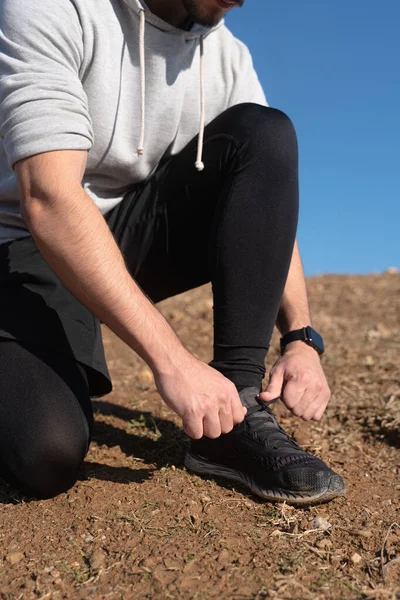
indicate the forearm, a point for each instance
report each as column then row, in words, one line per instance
column 76, row 242
column 297, row 376
column 294, row 312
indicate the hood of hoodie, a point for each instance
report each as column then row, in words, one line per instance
column 110, row 78
column 195, row 32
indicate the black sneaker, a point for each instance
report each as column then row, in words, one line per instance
column 260, row 455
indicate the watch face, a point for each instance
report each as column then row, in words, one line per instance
column 315, row 340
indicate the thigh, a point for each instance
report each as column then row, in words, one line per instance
column 179, row 256
column 38, row 311
column 164, row 226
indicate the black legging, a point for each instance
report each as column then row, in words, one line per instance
column 234, row 224
column 45, row 419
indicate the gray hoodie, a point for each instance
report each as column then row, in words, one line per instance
column 78, row 75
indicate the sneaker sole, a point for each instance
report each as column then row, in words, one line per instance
column 334, row 489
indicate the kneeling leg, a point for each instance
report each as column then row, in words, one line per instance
column 45, row 419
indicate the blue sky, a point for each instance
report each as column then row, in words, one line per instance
column 334, row 68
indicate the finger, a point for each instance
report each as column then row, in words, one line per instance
column 226, row 421
column 292, row 394
column 310, row 398
column 319, row 412
column 313, row 407
column 193, row 427
column 318, row 407
column 321, row 404
column 327, row 396
column 275, row 385
column 211, row 426
column 238, row 410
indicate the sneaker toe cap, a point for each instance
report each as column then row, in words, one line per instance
column 313, row 480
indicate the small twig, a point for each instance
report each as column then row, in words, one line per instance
column 315, row 551
column 383, row 550
column 212, row 532
column 300, row 535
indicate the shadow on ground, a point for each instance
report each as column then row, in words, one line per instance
column 167, row 449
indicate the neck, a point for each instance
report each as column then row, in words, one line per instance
column 172, row 12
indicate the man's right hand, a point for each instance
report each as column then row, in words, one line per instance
column 207, row 402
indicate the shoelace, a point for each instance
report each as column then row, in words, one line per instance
column 258, row 426
column 262, row 405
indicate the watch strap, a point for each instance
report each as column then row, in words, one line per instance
column 305, row 334
column 293, row 336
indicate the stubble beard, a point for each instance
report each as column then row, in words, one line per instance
column 199, row 16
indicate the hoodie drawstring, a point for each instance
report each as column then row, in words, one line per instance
column 140, row 149
column 199, row 162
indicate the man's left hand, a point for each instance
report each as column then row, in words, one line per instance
column 299, row 379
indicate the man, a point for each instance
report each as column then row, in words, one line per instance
column 139, row 160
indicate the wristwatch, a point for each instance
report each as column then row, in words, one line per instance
column 307, row 335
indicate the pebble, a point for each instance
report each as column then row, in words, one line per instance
column 15, row 557
column 324, row 544
column 224, row 556
column 55, row 574
column 194, row 512
column 387, row 503
column 97, row 560
column 89, row 539
column 356, row 559
column 321, row 523
column 172, row 564
column 205, row 499
column 275, row 533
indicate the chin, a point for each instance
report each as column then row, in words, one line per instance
column 200, row 15
column 209, row 22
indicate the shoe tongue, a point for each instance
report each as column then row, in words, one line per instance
column 263, row 423
column 248, row 397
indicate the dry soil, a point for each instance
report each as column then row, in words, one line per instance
column 137, row 525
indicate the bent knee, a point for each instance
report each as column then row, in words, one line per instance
column 51, row 468
column 261, row 125
column 256, row 115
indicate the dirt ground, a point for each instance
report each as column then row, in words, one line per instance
column 137, row 525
